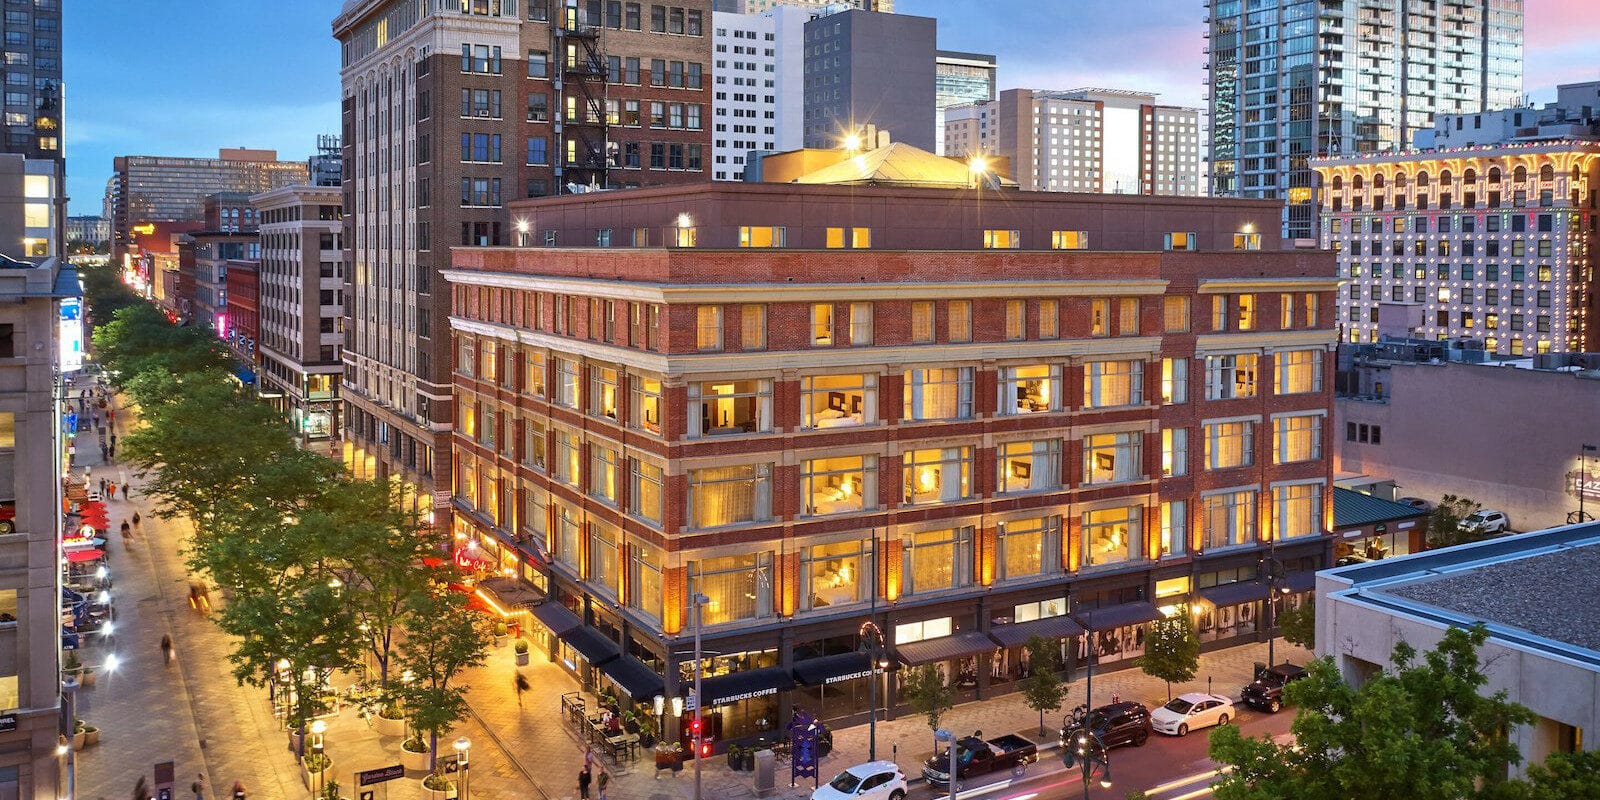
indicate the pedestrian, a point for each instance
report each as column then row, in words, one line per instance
column 583, row 784
column 125, row 529
column 521, row 684
column 113, row 441
column 102, row 486
column 127, row 494
column 166, row 648
column 111, row 491
column 605, row 777
column 238, row 790
column 135, row 514
column 588, row 757
column 199, row 787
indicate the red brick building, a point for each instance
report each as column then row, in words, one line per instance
column 968, row 418
column 242, row 326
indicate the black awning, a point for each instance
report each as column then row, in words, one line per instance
column 1100, row 619
column 594, row 645
column 634, row 677
column 510, row 592
column 1303, row 581
column 969, row 643
column 735, row 686
column 556, row 617
column 827, row 669
column 1232, row 594
column 1018, row 633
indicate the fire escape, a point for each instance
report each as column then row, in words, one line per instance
column 581, row 136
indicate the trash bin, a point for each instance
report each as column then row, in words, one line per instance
column 765, row 775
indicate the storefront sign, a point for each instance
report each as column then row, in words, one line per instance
column 8, row 723
column 380, row 775
column 722, row 701
column 1406, row 525
column 852, row 676
column 1584, row 485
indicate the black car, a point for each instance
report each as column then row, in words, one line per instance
column 1120, row 723
column 1266, row 691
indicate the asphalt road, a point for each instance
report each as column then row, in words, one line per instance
column 1167, row 767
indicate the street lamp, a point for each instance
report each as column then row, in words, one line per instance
column 318, row 728
column 463, row 745
column 1088, row 658
column 1583, row 478
column 1086, row 751
column 1272, row 570
column 699, row 600
column 871, row 642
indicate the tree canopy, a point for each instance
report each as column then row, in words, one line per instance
column 1171, row 651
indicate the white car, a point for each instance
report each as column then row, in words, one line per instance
column 1486, row 521
column 874, row 780
column 1193, row 711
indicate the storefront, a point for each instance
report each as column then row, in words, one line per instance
column 1370, row 528
column 1115, row 633
column 954, row 656
column 1011, row 660
column 1229, row 610
column 740, row 704
column 837, row 686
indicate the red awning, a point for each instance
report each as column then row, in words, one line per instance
column 80, row 556
column 432, row 561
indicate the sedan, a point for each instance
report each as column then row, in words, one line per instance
column 874, row 780
column 1192, row 711
column 1416, row 502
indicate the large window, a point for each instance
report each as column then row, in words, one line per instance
column 1029, row 466
column 1298, row 371
column 1174, row 380
column 937, row 476
column 958, row 323
column 839, row 485
column 646, row 490
column 646, row 588
column 1175, row 314
column 533, row 443
column 1112, row 457
column 536, row 515
column 739, row 587
column 822, row 325
column 750, row 236
column 566, row 383
column 938, row 394
column 1111, row 535
column 1230, row 444
column 724, row 407
column 646, row 410
column 730, row 495
column 604, row 569
column 1174, row 528
column 838, row 401
column 708, row 328
column 1174, row 451
column 837, row 574
column 569, row 457
column 533, row 375
column 1297, row 510
column 603, row 388
column 1029, row 547
column 569, row 526
column 938, row 560
column 1031, row 389
column 1230, row 376
column 861, row 324
column 1297, row 438
column 1230, row 518
column 922, row 322
column 605, row 473
column 1113, row 383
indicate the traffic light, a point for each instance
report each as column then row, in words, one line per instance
column 705, row 749
column 694, row 726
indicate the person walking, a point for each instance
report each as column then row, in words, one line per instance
column 600, row 784
column 125, row 529
column 520, row 682
column 136, row 517
column 583, row 783
column 199, row 786
column 166, row 648
column 111, row 491
column 102, row 486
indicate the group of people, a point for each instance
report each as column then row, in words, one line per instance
column 587, row 776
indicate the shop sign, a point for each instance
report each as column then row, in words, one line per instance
column 722, row 701
column 1405, row 525
column 380, row 775
column 1584, row 485
column 852, row 676
column 8, row 723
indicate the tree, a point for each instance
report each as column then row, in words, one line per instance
column 1171, row 651
column 1444, row 523
column 925, row 691
column 1042, row 690
column 442, row 637
column 1299, row 624
column 1419, row 730
column 1562, row 776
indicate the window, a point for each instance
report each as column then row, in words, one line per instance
column 1030, row 389
column 729, row 495
column 753, row 326
column 837, row 574
column 1297, row 510
column 568, row 457
column 1112, row 457
column 566, row 383
column 1049, row 319
column 922, row 322
column 1181, row 241
column 861, row 324
column 750, row 236
column 1247, row 312
column 708, row 327
column 538, row 150
column 1230, row 376
column 959, row 322
column 1230, row 518
column 822, row 325
column 1230, row 444
column 1219, row 313
column 1247, row 241
column 1297, row 438
column 646, row 406
column 1111, row 535
column 740, row 587
column 1029, row 547
column 1175, row 314
column 1100, row 317
column 854, row 238
column 937, row 560
column 603, row 389
column 938, row 394
column 838, row 401
column 604, row 571
column 1174, row 452
column 605, row 466
column 839, row 485
column 1174, row 528
column 1113, row 383
column 1069, row 240
column 1002, row 240
column 1128, row 316
column 1028, row 466
column 646, row 588
column 533, row 443
column 1298, row 371
column 937, row 476
column 1174, row 380
column 718, row 408
column 1016, row 320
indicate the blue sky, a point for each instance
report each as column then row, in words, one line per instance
column 184, row 78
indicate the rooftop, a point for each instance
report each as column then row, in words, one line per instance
column 1352, row 508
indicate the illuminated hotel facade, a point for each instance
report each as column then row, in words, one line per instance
column 1492, row 243
column 942, row 416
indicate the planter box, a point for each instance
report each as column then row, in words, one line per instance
column 91, row 737
column 522, row 659
column 500, row 639
column 87, row 679
column 78, row 739
column 413, row 761
column 389, row 727
column 432, row 794
column 310, row 777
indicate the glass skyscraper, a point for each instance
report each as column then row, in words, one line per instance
column 959, row 79
column 1293, row 79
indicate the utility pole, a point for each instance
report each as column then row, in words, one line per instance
column 700, row 602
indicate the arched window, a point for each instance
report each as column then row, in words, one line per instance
column 1576, row 173
column 1494, row 174
column 1470, row 176
column 1356, row 182
column 1422, row 179
column 1400, row 179
column 1338, row 182
column 1520, row 174
column 1445, row 177
column 1547, row 173
column 1377, row 181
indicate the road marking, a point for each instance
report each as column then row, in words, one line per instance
column 1185, row 781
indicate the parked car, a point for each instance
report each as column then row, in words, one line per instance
column 1266, row 691
column 975, row 757
column 1416, row 502
column 874, row 780
column 1118, row 724
column 8, row 516
column 1190, row 712
column 1486, row 521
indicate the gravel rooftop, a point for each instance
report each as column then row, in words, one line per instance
column 1551, row 595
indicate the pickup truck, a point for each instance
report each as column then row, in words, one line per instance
column 975, row 757
column 1266, row 691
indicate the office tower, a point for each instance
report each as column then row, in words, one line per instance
column 450, row 110
column 1084, row 140
column 953, row 411
column 1290, row 80
column 35, row 104
column 959, row 79
column 869, row 69
column 757, row 75
column 326, row 168
column 759, row 6
column 153, row 189
column 90, row 230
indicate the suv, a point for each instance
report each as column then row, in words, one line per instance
column 874, row 780
column 1121, row 723
column 1486, row 521
column 1266, row 691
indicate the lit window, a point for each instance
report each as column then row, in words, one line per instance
column 1174, row 528
column 1297, row 510
column 1181, row 241
column 1029, row 547
column 1174, row 380
column 959, row 322
column 1111, row 535
column 1002, row 240
column 1297, row 438
column 1229, row 519
column 839, row 485
column 729, row 407
column 1049, row 319
column 1030, row 389
column 837, row 574
column 646, row 411
column 922, row 322
column 937, row 476
column 1128, row 316
column 1246, row 241
column 1247, row 312
column 708, row 327
column 683, row 236
column 753, row 326
column 1230, row 444
column 1112, row 457
column 938, row 394
column 1028, row 466
column 937, row 560
column 1175, row 314
column 729, row 495
column 822, row 325
column 1100, row 317
column 1174, row 451
column 603, row 392
column 861, row 324
column 1108, row 384
column 1069, row 240
column 1298, row 371
column 1016, row 320
column 839, row 401
column 750, row 236
column 1230, row 376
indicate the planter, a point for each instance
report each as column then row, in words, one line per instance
column 78, row 740
column 522, row 659
column 91, row 736
column 389, row 727
column 87, row 679
column 437, row 794
column 414, row 761
column 310, row 776
column 500, row 639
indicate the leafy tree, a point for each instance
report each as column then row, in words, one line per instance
column 442, row 637
column 1420, row 730
column 925, row 691
column 1562, row 776
column 1042, row 690
column 1444, row 523
column 1299, row 625
column 1171, row 651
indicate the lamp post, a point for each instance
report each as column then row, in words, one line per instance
column 699, row 600
column 318, row 728
column 1088, row 658
column 1583, row 477
column 1271, row 570
column 874, row 648
column 463, row 747
column 1088, row 753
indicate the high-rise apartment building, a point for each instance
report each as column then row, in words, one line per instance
column 150, row 189
column 1084, row 140
column 819, row 405
column 1291, row 80
column 302, row 305
column 757, row 77
column 959, row 79
column 498, row 100
column 864, row 68
column 35, row 100
column 759, row 6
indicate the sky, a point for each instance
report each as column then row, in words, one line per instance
column 198, row 75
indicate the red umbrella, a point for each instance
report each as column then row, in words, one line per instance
column 80, row 556
column 97, row 520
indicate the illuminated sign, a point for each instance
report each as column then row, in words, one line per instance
column 146, row 229
column 71, row 355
